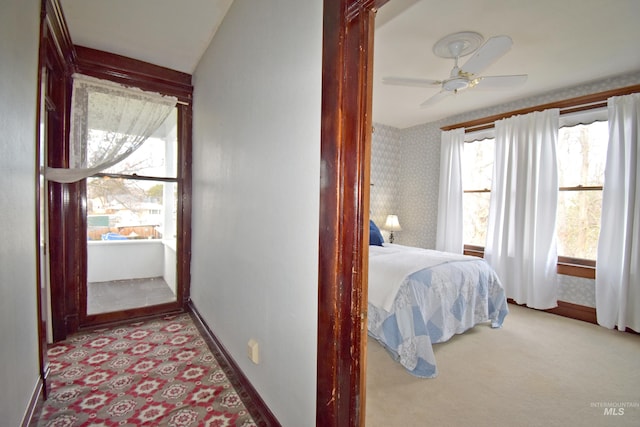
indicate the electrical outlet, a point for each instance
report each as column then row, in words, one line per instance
column 253, row 351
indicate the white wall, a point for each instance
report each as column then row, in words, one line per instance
column 19, row 33
column 170, row 271
column 256, row 167
column 125, row 259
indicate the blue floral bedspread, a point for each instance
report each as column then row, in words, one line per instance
column 432, row 305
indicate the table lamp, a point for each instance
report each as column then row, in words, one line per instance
column 392, row 224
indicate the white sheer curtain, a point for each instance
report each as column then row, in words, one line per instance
column 618, row 259
column 449, row 234
column 109, row 121
column 521, row 243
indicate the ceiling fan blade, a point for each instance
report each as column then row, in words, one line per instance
column 435, row 98
column 403, row 81
column 500, row 82
column 493, row 49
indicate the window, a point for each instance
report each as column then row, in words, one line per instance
column 477, row 170
column 136, row 198
column 581, row 154
column 132, row 224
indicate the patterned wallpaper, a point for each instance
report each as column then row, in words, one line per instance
column 420, row 175
column 577, row 290
column 405, row 168
column 404, row 176
column 385, row 165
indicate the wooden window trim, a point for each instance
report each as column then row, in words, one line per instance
column 570, row 105
column 473, row 250
column 484, row 190
column 133, row 72
column 577, row 267
column 582, row 188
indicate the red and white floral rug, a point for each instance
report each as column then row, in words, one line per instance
column 158, row 372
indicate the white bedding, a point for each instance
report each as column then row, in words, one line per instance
column 393, row 263
column 434, row 295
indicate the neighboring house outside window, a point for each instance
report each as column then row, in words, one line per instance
column 137, row 197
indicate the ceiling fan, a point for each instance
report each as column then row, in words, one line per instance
column 456, row 46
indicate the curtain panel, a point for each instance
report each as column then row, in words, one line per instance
column 449, row 234
column 109, row 121
column 618, row 258
column 521, row 242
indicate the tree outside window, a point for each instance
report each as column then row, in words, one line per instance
column 581, row 154
column 477, row 170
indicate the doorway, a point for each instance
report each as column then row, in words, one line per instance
column 132, row 227
column 120, row 239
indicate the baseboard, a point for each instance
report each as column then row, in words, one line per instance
column 259, row 411
column 34, row 403
column 575, row 311
column 570, row 310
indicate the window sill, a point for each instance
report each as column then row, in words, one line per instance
column 564, row 267
column 576, row 270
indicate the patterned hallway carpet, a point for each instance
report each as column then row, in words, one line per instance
column 158, row 372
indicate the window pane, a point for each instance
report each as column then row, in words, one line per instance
column 582, row 153
column 156, row 157
column 476, row 216
column 579, row 223
column 130, row 209
column 477, row 174
column 477, row 164
column 131, row 253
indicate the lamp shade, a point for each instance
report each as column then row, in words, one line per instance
column 392, row 223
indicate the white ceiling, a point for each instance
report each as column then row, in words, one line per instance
column 558, row 43
column 170, row 33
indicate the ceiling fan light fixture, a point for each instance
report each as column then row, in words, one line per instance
column 462, row 78
column 455, row 84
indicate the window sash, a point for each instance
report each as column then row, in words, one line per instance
column 134, row 176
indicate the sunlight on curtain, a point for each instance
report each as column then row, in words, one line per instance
column 618, row 262
column 109, row 121
column 521, row 242
column 449, row 232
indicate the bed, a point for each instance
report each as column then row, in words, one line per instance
column 419, row 297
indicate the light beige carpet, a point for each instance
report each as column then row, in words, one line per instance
column 540, row 369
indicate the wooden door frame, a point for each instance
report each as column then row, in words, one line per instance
column 58, row 56
column 347, row 63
